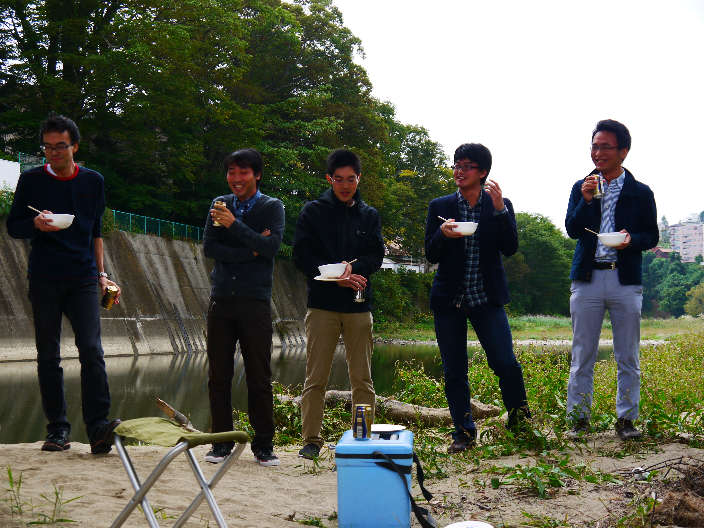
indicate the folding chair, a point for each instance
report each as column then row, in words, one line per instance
column 163, row 432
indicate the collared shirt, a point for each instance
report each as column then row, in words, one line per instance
column 241, row 208
column 472, row 292
column 612, row 191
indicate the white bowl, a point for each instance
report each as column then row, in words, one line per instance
column 470, row 524
column 466, row 228
column 612, row 239
column 332, row 270
column 62, row 221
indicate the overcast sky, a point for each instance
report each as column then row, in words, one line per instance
column 531, row 79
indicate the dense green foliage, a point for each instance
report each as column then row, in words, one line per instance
column 668, row 284
column 400, row 296
column 163, row 91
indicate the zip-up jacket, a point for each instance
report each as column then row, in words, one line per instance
column 329, row 231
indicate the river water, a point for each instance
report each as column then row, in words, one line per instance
column 181, row 380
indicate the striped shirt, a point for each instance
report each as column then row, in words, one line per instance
column 472, row 292
column 612, row 191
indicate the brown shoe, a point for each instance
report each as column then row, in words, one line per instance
column 463, row 443
column 626, row 431
column 580, row 429
column 103, row 438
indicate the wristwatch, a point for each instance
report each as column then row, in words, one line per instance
column 103, row 274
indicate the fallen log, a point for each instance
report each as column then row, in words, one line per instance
column 404, row 412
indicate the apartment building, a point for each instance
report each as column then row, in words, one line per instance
column 687, row 238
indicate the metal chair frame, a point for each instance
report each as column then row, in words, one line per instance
column 206, row 486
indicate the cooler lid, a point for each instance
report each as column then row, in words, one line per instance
column 399, row 446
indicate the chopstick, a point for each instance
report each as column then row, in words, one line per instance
column 594, row 232
column 351, row 261
column 34, row 209
column 443, row 219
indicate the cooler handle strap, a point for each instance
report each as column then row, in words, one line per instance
column 422, row 514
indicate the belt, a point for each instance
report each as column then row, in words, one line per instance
column 604, row 265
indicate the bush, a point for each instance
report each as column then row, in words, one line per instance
column 6, row 198
column 400, row 295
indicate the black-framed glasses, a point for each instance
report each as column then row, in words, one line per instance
column 54, row 148
column 340, row 181
column 464, row 168
column 595, row 148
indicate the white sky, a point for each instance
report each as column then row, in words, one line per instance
column 531, row 79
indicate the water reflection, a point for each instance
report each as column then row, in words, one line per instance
column 181, row 380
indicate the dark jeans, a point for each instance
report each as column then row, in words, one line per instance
column 491, row 325
column 78, row 299
column 249, row 322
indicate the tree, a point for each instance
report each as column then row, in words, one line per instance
column 538, row 273
column 695, row 301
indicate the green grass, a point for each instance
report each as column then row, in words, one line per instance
column 541, row 327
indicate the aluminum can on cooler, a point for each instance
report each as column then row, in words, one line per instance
column 218, row 204
column 369, row 419
column 109, row 297
column 359, row 424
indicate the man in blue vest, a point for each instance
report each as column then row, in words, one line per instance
column 471, row 284
column 606, row 277
column 65, row 274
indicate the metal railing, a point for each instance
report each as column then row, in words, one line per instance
column 27, row 161
column 135, row 223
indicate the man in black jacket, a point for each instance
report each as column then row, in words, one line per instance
column 471, row 284
column 337, row 227
column 608, row 277
column 243, row 246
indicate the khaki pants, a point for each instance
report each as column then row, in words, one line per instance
column 323, row 329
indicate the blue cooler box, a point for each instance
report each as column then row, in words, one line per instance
column 369, row 495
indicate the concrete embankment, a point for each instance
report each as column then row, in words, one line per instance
column 164, row 302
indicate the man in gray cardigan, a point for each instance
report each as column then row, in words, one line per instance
column 242, row 236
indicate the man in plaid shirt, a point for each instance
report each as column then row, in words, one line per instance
column 470, row 284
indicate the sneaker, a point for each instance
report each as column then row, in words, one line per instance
column 266, row 457
column 580, row 429
column 218, row 453
column 103, row 438
column 309, row 451
column 463, row 443
column 626, row 431
column 57, row 441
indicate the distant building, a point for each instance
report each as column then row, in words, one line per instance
column 661, row 252
column 687, row 239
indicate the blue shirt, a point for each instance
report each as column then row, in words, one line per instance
column 241, row 208
column 612, row 190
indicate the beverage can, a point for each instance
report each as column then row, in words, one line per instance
column 218, row 204
column 599, row 190
column 109, row 296
column 359, row 424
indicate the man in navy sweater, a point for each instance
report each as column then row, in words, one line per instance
column 606, row 277
column 65, row 271
column 243, row 245
column 471, row 284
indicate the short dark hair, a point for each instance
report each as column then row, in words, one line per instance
column 247, row 158
column 343, row 158
column 623, row 136
column 58, row 123
column 476, row 152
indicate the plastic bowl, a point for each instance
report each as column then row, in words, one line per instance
column 612, row 239
column 470, row 524
column 332, row 270
column 466, row 228
column 62, row 221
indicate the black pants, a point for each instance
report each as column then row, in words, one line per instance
column 249, row 322
column 78, row 299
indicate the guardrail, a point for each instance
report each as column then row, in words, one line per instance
column 135, row 223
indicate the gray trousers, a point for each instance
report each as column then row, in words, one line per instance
column 588, row 302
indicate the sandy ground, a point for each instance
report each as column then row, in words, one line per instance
column 255, row 496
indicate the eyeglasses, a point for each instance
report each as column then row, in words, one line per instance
column 596, row 148
column 54, row 148
column 464, row 168
column 350, row 180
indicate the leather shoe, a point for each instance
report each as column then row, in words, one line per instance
column 103, row 438
column 463, row 443
column 57, row 441
column 626, row 431
column 580, row 429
